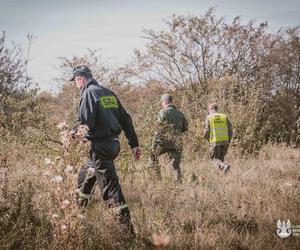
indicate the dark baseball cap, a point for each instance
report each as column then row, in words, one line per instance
column 81, row 70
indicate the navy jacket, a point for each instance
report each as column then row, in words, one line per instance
column 103, row 113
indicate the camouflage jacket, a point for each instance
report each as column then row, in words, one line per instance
column 173, row 120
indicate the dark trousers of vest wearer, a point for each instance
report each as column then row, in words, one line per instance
column 102, row 155
column 217, row 154
column 161, row 146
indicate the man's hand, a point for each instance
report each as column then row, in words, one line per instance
column 136, row 152
column 78, row 132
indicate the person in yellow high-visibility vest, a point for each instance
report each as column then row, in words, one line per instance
column 218, row 131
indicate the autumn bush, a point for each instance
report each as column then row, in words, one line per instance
column 252, row 73
column 208, row 210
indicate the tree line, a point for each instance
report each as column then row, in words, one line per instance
column 252, row 73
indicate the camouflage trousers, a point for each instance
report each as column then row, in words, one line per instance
column 171, row 147
column 217, row 154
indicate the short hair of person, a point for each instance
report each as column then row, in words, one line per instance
column 213, row 106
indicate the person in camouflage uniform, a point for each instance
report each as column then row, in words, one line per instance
column 172, row 124
column 218, row 131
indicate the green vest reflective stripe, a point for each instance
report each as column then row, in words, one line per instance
column 218, row 128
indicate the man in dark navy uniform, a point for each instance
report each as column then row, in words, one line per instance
column 102, row 112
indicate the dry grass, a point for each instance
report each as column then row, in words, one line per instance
column 208, row 210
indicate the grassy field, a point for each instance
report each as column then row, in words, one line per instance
column 209, row 210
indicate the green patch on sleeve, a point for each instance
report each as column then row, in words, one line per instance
column 108, row 102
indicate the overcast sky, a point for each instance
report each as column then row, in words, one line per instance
column 69, row 27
